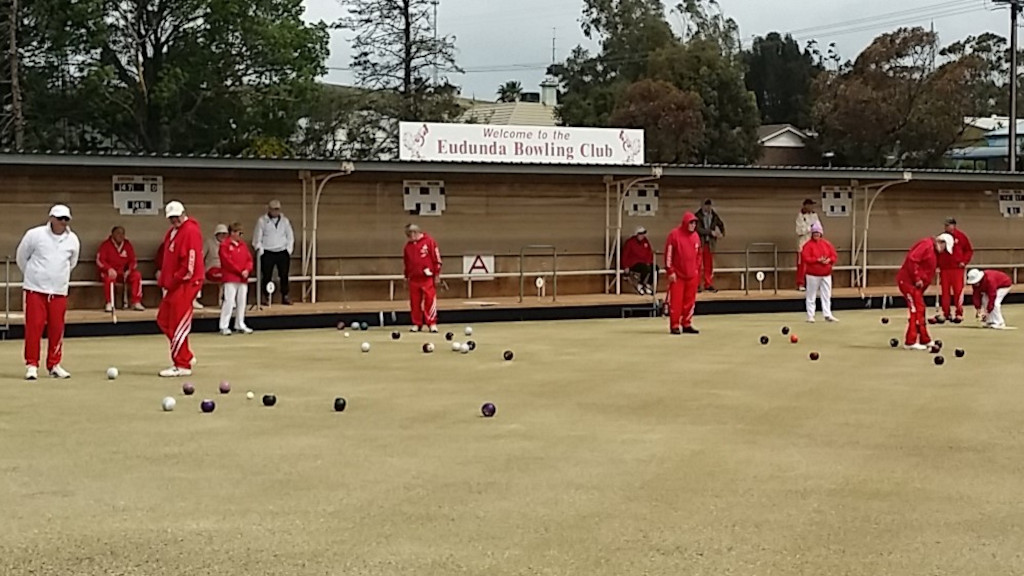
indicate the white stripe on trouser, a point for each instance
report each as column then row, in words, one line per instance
column 181, row 333
column 819, row 285
column 235, row 296
column 995, row 317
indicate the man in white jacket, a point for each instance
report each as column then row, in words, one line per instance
column 46, row 256
column 804, row 220
column 274, row 242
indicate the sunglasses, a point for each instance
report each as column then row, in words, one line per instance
column 64, row 219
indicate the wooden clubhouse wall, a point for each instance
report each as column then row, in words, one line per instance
column 361, row 220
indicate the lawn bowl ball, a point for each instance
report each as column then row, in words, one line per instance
column 207, row 406
column 764, row 340
column 464, row 348
column 341, row 325
column 250, row 394
column 508, row 355
column 339, row 404
column 468, row 331
column 347, row 334
column 471, row 344
column 814, row 356
column 785, row 330
column 938, row 343
column 933, row 349
column 364, row 326
column 168, row 404
column 112, row 373
column 449, row 336
column 793, row 339
column 932, row 320
column 488, row 410
column 188, row 389
column 428, row 347
column 456, row 347
column 885, row 319
column 355, row 326
column 224, row 387
column 269, row 400
column 365, row 347
column 894, row 342
column 959, row 352
column 939, row 360
column 396, row 335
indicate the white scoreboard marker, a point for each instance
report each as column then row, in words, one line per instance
column 138, row 195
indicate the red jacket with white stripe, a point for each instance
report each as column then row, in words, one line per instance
column 422, row 255
column 120, row 259
column 181, row 262
column 920, row 264
column 991, row 281
column 682, row 250
column 235, row 258
column 962, row 252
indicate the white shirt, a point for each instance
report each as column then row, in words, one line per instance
column 211, row 253
column 273, row 234
column 47, row 259
column 803, row 226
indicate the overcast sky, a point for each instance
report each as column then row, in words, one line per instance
column 500, row 41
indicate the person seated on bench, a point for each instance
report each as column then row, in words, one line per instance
column 638, row 258
column 116, row 263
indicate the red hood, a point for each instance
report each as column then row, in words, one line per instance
column 687, row 218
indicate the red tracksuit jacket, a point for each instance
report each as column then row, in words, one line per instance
column 235, row 258
column 181, row 261
column 421, row 255
column 919, row 264
column 815, row 249
column 682, row 250
column 108, row 256
column 962, row 252
column 990, row 282
column 636, row 252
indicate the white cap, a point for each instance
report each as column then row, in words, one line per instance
column 640, row 230
column 220, row 229
column 974, row 276
column 174, row 208
column 948, row 239
column 60, row 211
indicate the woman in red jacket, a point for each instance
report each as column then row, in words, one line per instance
column 818, row 256
column 236, row 266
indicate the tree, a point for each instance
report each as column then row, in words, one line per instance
column 510, row 91
column 671, row 119
column 780, row 75
column 991, row 93
column 896, row 105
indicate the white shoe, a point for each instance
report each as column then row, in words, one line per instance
column 802, row 289
column 810, row 320
column 225, row 332
column 996, row 326
column 196, row 305
column 832, row 319
column 138, row 307
column 108, row 308
column 244, row 330
column 174, row 371
column 414, row 329
column 194, row 361
column 433, row 328
column 31, row 372
column 915, row 347
column 59, row 372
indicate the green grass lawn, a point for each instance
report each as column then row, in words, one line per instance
column 616, row 450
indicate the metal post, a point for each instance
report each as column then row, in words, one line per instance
column 1015, row 8
column 7, row 293
column 554, row 269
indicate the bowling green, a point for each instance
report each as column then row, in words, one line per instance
column 616, row 450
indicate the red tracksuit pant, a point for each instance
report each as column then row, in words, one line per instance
column 175, row 320
column 682, row 299
column 134, row 281
column 917, row 325
column 801, row 271
column 423, row 301
column 44, row 310
column 952, row 285
column 707, row 258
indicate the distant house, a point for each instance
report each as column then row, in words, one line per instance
column 985, row 144
column 785, row 145
column 532, row 109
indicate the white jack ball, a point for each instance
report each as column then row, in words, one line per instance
column 112, row 373
column 469, row 331
column 250, row 395
column 169, row 404
column 456, row 346
column 365, row 347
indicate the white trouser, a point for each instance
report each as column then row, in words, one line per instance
column 819, row 285
column 235, row 295
column 995, row 317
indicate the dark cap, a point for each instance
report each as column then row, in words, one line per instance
column 809, row 202
column 950, row 220
column 707, row 201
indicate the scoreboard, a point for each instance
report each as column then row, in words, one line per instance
column 138, row 195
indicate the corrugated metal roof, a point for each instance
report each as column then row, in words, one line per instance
column 512, row 114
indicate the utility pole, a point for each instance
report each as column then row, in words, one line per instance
column 554, row 36
column 435, row 3
column 16, row 107
column 1015, row 9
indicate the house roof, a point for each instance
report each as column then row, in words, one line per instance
column 769, row 132
column 49, row 159
column 511, row 114
column 987, row 123
column 1005, row 130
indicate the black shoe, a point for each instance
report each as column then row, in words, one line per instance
column 675, row 331
column 700, row 289
column 286, row 300
column 712, row 289
column 690, row 330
